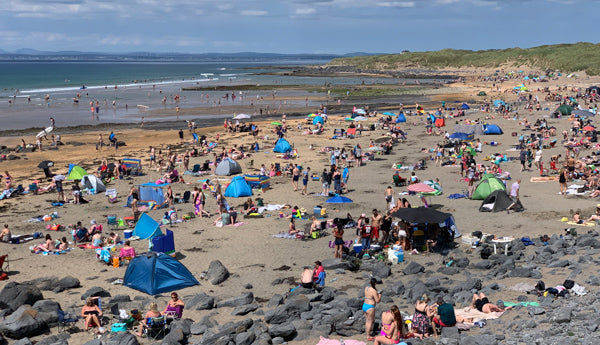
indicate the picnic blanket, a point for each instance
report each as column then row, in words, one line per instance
column 325, row 341
column 16, row 239
column 589, row 224
column 544, row 179
column 476, row 314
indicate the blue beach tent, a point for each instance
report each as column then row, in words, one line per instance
column 498, row 103
column 318, row 119
column 146, row 228
column 152, row 192
column 155, row 273
column 282, row 146
column 238, row 188
column 492, row 129
column 465, row 106
column 401, row 118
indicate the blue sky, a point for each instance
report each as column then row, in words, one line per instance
column 296, row 26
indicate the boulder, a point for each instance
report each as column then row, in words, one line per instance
column 175, row 336
column 217, row 272
column 244, row 299
column 202, row 326
column 26, row 341
column 559, row 263
column 60, row 339
column 47, row 311
column 244, row 309
column 66, row 283
column 201, row 301
column 24, row 322
column 413, row 268
column 276, row 300
column 289, row 311
column 16, row 294
column 381, row 270
column 122, row 338
column 245, row 338
column 284, row 330
column 334, row 263
column 95, row 291
column 185, row 326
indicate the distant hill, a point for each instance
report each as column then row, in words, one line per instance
column 563, row 57
column 26, row 54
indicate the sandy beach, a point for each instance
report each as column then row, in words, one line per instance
column 249, row 251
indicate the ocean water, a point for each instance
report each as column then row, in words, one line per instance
column 24, row 87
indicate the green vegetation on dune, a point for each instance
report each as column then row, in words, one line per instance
column 564, row 57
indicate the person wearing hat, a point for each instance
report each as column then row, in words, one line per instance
column 94, row 228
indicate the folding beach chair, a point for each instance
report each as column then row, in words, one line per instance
column 157, row 328
column 4, row 260
column 111, row 220
column 65, row 321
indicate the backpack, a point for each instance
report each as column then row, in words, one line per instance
column 568, row 284
column 540, row 286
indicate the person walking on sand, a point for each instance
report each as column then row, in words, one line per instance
column 295, row 177
column 389, row 195
column 514, row 194
column 305, row 176
column 338, row 234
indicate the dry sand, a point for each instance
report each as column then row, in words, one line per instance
column 249, row 251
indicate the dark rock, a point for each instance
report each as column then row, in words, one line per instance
column 593, row 280
column 122, row 338
column 248, row 286
column 175, row 337
column 244, row 299
column 483, row 265
column 334, row 263
column 289, row 311
column 559, row 263
column 119, row 299
column 449, row 332
column 340, row 271
column 524, row 272
column 413, row 268
column 94, row 342
column 449, row 271
column 536, row 310
column 201, row 301
column 26, row 341
column 66, row 283
column 300, row 291
column 276, row 300
column 16, row 294
column 60, row 339
column 95, row 291
column 415, row 292
column 461, row 262
column 185, row 326
column 470, row 284
column 398, row 288
column 381, row 270
column 24, row 322
column 562, row 315
column 245, row 338
column 217, row 272
column 244, row 309
column 284, row 330
column 277, row 281
column 47, row 311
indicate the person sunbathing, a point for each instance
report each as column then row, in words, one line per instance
column 5, row 235
column 64, row 244
column 151, row 313
column 91, row 313
column 174, row 307
column 482, row 303
column 47, row 246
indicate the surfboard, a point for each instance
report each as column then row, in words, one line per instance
column 44, row 132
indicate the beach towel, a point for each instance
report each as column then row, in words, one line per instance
column 590, row 224
column 285, row 235
column 524, row 304
column 476, row 314
column 325, row 341
column 456, row 196
column 527, row 241
column 544, row 179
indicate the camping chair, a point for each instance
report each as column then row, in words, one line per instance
column 111, row 194
column 196, row 169
column 399, row 181
column 65, row 321
column 4, row 260
column 157, row 328
column 418, row 240
column 205, row 166
column 111, row 220
column 174, row 314
column 186, row 197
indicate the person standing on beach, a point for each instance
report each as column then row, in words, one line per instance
column 325, row 179
column 375, row 225
column 514, row 194
column 345, row 177
column 389, row 195
column 52, row 122
column 295, row 177
column 305, row 176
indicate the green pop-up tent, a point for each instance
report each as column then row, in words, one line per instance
column 565, row 109
column 489, row 183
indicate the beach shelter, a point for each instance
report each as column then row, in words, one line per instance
column 238, row 188
column 164, row 243
column 465, row 106
column 258, row 181
column 228, row 167
column 146, row 228
column 318, row 119
column 492, row 129
column 431, row 118
column 462, row 136
column 93, row 182
column 583, row 113
column 155, row 273
column 76, row 172
column 282, row 146
column 421, row 215
column 565, row 109
column 498, row 103
column 152, row 192
column 499, row 201
column 401, row 118
column 489, row 183
column 338, row 199
column 482, row 93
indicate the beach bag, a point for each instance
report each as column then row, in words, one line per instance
column 540, row 286
column 118, row 327
column 568, row 284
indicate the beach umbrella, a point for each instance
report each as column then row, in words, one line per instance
column 589, row 128
column 348, row 119
column 434, row 185
column 374, row 148
column 46, row 164
column 276, row 123
column 360, row 118
column 338, row 199
column 361, row 111
column 382, row 139
column 312, row 115
column 420, row 188
column 241, row 117
column 389, row 113
column 76, row 173
column 421, row 215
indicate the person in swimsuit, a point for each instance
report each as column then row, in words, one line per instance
column 91, row 314
column 174, row 307
column 392, row 327
column 338, row 234
column 306, row 280
column 372, row 297
column 8, row 180
column 389, row 194
column 421, row 318
column 151, row 313
column 5, row 236
column 295, row 177
column 482, row 303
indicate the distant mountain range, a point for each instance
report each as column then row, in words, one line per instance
column 27, row 54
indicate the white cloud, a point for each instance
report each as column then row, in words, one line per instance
column 305, row 11
column 403, row 4
column 254, row 13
